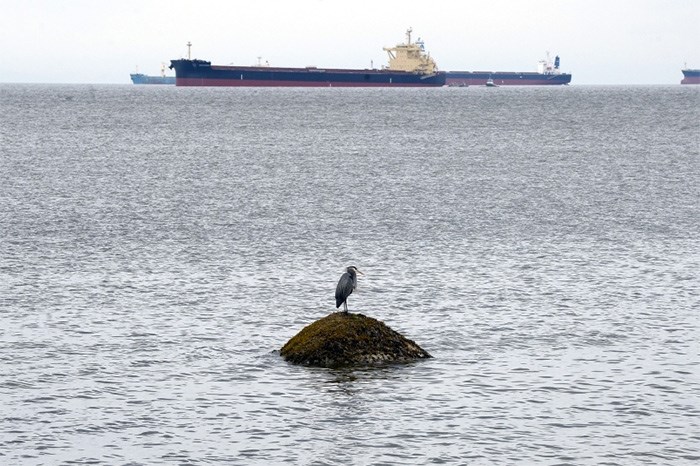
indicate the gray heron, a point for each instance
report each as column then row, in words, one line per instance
column 346, row 284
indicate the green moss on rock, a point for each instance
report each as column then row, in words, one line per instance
column 341, row 339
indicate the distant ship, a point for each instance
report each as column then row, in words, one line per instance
column 409, row 66
column 690, row 76
column 140, row 78
column 548, row 73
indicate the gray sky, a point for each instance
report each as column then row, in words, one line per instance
column 599, row 41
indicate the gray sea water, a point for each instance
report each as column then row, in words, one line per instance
column 159, row 245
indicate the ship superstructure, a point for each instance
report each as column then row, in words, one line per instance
column 411, row 56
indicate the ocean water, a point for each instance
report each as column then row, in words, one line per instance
column 159, row 245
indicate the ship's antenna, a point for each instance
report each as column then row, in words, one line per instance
column 189, row 50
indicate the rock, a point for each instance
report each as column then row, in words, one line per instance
column 341, row 339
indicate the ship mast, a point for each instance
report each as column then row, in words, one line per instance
column 189, row 50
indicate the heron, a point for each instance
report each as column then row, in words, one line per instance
column 346, row 284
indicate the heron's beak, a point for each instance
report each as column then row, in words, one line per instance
column 356, row 270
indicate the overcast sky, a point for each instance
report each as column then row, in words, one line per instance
column 599, row 41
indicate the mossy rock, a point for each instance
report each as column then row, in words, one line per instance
column 341, row 339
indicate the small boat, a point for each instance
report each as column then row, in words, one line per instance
column 490, row 83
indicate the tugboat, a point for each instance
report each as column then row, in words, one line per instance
column 490, row 83
column 409, row 66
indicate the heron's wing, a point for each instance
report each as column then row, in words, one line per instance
column 344, row 288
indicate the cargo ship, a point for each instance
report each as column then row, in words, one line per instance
column 547, row 74
column 690, row 76
column 140, row 78
column 409, row 66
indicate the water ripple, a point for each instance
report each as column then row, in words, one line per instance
column 149, row 278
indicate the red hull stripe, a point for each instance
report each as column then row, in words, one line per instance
column 189, row 82
column 505, row 82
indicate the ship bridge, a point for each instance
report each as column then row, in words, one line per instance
column 411, row 57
